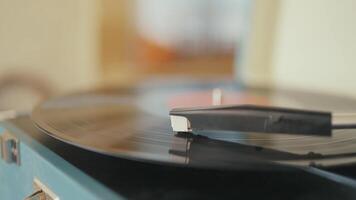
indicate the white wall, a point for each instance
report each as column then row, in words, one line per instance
column 311, row 45
column 315, row 46
column 52, row 39
column 254, row 62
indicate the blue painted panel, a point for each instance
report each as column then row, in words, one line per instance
column 37, row 161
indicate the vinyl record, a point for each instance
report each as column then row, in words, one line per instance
column 134, row 124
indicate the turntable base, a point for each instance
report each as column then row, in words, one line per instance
column 39, row 160
column 74, row 173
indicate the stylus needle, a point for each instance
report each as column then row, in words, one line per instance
column 252, row 118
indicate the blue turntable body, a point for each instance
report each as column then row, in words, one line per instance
column 38, row 166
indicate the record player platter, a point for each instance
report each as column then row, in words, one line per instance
column 134, row 124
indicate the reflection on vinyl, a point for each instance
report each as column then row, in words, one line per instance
column 134, row 124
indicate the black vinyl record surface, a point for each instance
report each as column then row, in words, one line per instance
column 134, row 124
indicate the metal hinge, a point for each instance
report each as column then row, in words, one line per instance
column 10, row 148
column 41, row 192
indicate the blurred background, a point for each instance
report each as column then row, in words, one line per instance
column 50, row 47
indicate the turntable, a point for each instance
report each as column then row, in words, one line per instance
column 119, row 144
